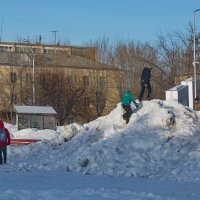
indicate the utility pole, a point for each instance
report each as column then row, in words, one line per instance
column 54, row 32
column 194, row 55
column 1, row 30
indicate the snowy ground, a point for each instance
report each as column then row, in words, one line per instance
column 60, row 185
column 155, row 156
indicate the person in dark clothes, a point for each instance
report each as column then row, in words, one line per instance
column 145, row 82
column 126, row 104
column 4, row 141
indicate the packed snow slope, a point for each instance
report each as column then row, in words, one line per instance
column 162, row 140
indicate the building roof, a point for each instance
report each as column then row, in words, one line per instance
column 13, row 59
column 51, row 60
column 35, row 110
column 69, row 61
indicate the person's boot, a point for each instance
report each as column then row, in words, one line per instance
column 124, row 117
column 139, row 98
column 149, row 96
column 127, row 120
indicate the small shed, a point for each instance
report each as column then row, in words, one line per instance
column 40, row 117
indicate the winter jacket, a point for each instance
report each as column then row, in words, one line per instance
column 7, row 142
column 146, row 76
column 128, row 98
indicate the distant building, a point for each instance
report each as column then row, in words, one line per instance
column 20, row 75
column 85, row 52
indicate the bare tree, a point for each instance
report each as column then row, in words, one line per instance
column 98, row 90
column 130, row 58
column 60, row 90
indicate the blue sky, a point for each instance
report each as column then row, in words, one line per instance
column 83, row 20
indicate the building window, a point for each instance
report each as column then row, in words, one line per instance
column 86, row 80
column 14, row 99
column 71, row 79
column 5, row 49
column 102, row 81
column 28, row 78
column 86, row 102
column 70, row 119
column 13, row 77
column 100, row 98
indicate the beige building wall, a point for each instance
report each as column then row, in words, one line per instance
column 76, row 61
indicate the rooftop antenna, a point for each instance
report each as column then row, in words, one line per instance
column 54, row 32
column 1, row 29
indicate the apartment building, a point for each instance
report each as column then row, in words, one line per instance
column 22, row 65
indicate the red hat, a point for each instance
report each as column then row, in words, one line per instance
column 1, row 124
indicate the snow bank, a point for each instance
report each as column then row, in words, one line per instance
column 160, row 141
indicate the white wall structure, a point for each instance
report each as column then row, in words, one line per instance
column 189, row 83
column 179, row 93
column 184, row 93
column 198, row 87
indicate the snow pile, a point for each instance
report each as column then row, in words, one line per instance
column 161, row 141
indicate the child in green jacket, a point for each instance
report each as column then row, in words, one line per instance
column 126, row 104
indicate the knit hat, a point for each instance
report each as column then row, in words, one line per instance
column 1, row 124
column 149, row 67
